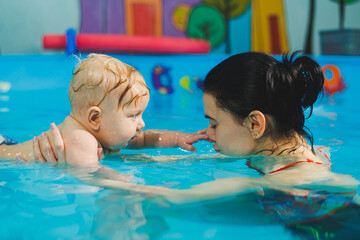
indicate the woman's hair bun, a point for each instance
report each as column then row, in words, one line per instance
column 294, row 83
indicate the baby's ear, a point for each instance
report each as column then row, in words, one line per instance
column 93, row 117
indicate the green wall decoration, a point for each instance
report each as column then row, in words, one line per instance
column 205, row 22
column 229, row 9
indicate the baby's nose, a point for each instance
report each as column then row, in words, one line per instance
column 141, row 124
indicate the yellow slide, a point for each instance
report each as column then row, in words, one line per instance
column 268, row 30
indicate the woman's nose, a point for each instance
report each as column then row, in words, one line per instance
column 210, row 133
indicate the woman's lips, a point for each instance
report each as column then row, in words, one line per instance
column 215, row 148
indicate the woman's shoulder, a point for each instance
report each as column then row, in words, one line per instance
column 323, row 153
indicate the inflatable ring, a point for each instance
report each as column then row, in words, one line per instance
column 335, row 83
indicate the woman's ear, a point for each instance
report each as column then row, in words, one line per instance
column 93, row 118
column 256, row 124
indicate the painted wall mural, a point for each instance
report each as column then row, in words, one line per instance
column 204, row 19
column 161, row 79
column 268, row 33
column 166, row 83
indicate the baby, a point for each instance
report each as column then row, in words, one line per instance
column 108, row 98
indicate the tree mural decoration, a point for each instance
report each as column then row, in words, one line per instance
column 342, row 10
column 180, row 17
column 309, row 34
column 229, row 9
column 205, row 22
column 308, row 44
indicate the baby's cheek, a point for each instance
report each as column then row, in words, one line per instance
column 128, row 130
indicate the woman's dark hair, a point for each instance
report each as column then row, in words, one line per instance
column 280, row 90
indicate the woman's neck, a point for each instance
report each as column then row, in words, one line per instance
column 296, row 145
column 273, row 156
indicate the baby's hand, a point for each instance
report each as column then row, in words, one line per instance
column 186, row 140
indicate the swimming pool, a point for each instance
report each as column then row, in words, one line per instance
column 40, row 201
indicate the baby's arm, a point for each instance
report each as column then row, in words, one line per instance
column 167, row 139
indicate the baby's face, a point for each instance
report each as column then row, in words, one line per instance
column 229, row 136
column 120, row 125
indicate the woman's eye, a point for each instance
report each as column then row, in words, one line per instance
column 213, row 126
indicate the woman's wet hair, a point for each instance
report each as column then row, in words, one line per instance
column 281, row 90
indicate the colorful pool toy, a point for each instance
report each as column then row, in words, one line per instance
column 335, row 83
column 117, row 43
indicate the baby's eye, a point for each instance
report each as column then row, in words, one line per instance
column 134, row 116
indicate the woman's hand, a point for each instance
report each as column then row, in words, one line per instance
column 49, row 146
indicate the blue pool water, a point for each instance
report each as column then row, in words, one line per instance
column 42, row 201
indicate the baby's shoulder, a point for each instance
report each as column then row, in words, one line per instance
column 75, row 135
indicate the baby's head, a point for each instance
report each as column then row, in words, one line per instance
column 108, row 97
column 264, row 98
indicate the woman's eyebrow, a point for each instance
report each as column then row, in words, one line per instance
column 208, row 117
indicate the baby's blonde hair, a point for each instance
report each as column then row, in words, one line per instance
column 96, row 76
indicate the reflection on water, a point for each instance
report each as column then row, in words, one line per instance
column 318, row 215
column 48, row 203
column 126, row 218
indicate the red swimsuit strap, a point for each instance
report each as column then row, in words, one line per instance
column 320, row 150
column 290, row 165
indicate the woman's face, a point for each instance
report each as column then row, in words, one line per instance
column 229, row 136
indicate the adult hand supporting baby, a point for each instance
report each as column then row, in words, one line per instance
column 49, row 146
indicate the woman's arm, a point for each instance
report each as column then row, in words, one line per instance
column 41, row 148
column 216, row 189
column 21, row 151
